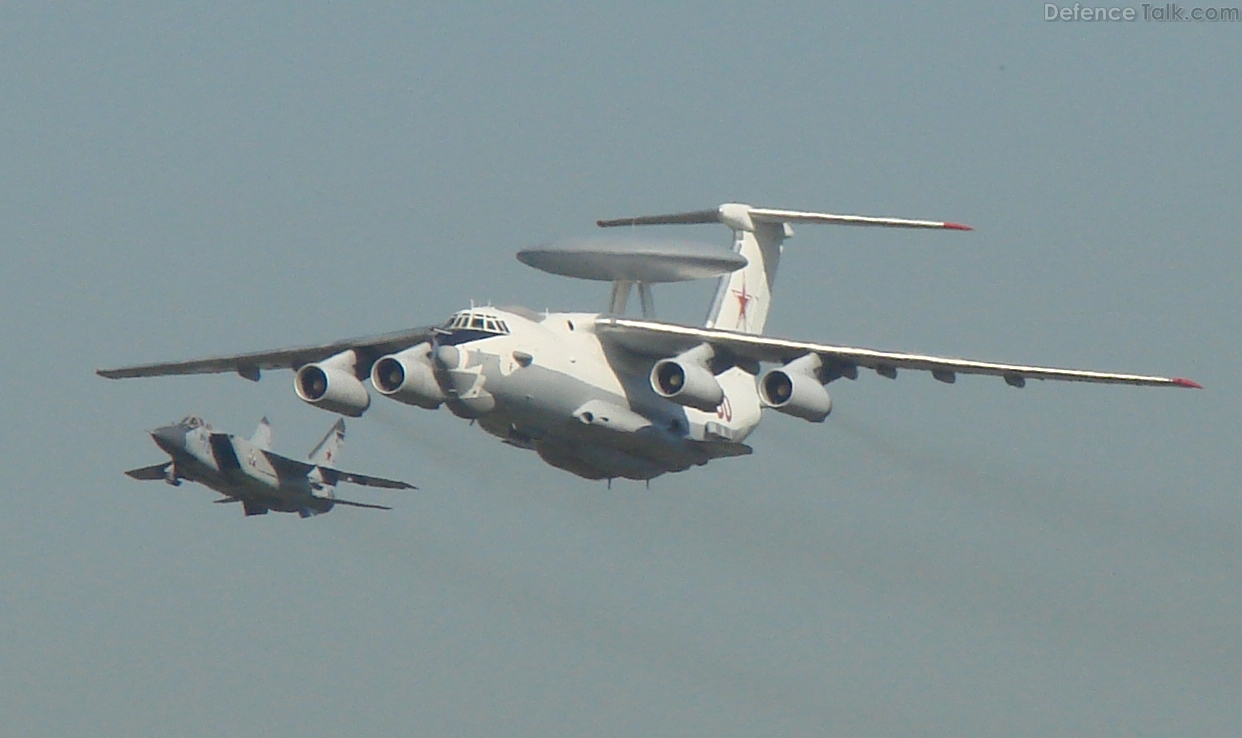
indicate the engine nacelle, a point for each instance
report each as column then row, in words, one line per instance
column 795, row 389
column 686, row 380
column 332, row 385
column 408, row 377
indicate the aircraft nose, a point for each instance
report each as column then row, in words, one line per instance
column 170, row 437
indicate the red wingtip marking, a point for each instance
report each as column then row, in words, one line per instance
column 1187, row 383
column 958, row 227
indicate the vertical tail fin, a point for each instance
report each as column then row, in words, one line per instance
column 327, row 450
column 744, row 297
column 262, row 437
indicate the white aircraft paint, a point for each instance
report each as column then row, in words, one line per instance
column 604, row 395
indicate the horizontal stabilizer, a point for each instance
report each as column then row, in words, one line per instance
column 771, row 215
column 159, row 471
column 695, row 217
column 743, row 217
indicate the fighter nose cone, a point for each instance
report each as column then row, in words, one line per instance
column 170, row 437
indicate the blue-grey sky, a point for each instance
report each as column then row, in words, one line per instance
column 965, row 560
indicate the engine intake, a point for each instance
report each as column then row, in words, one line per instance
column 332, row 385
column 795, row 389
column 687, row 380
column 409, row 377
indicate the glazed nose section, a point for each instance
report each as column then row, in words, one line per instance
column 170, row 437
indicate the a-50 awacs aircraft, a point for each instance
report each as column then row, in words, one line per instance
column 604, row 395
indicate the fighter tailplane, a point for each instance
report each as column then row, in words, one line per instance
column 744, row 297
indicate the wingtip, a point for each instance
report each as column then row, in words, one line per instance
column 957, row 227
column 1182, row 382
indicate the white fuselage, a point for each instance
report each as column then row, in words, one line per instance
column 549, row 382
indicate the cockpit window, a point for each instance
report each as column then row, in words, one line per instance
column 192, row 421
column 486, row 323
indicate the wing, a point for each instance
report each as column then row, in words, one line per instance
column 368, row 349
column 666, row 339
column 335, row 476
column 367, row 505
column 159, row 471
column 287, row 467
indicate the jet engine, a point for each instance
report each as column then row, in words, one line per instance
column 332, row 385
column 795, row 389
column 687, row 380
column 408, row 377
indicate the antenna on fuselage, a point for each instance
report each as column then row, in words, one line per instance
column 631, row 263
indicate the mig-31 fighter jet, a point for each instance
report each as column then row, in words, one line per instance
column 607, row 395
column 247, row 471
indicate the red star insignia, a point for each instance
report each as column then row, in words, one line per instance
column 744, row 299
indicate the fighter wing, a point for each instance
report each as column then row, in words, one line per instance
column 287, row 467
column 666, row 339
column 159, row 471
column 351, row 503
column 368, row 349
column 335, row 476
